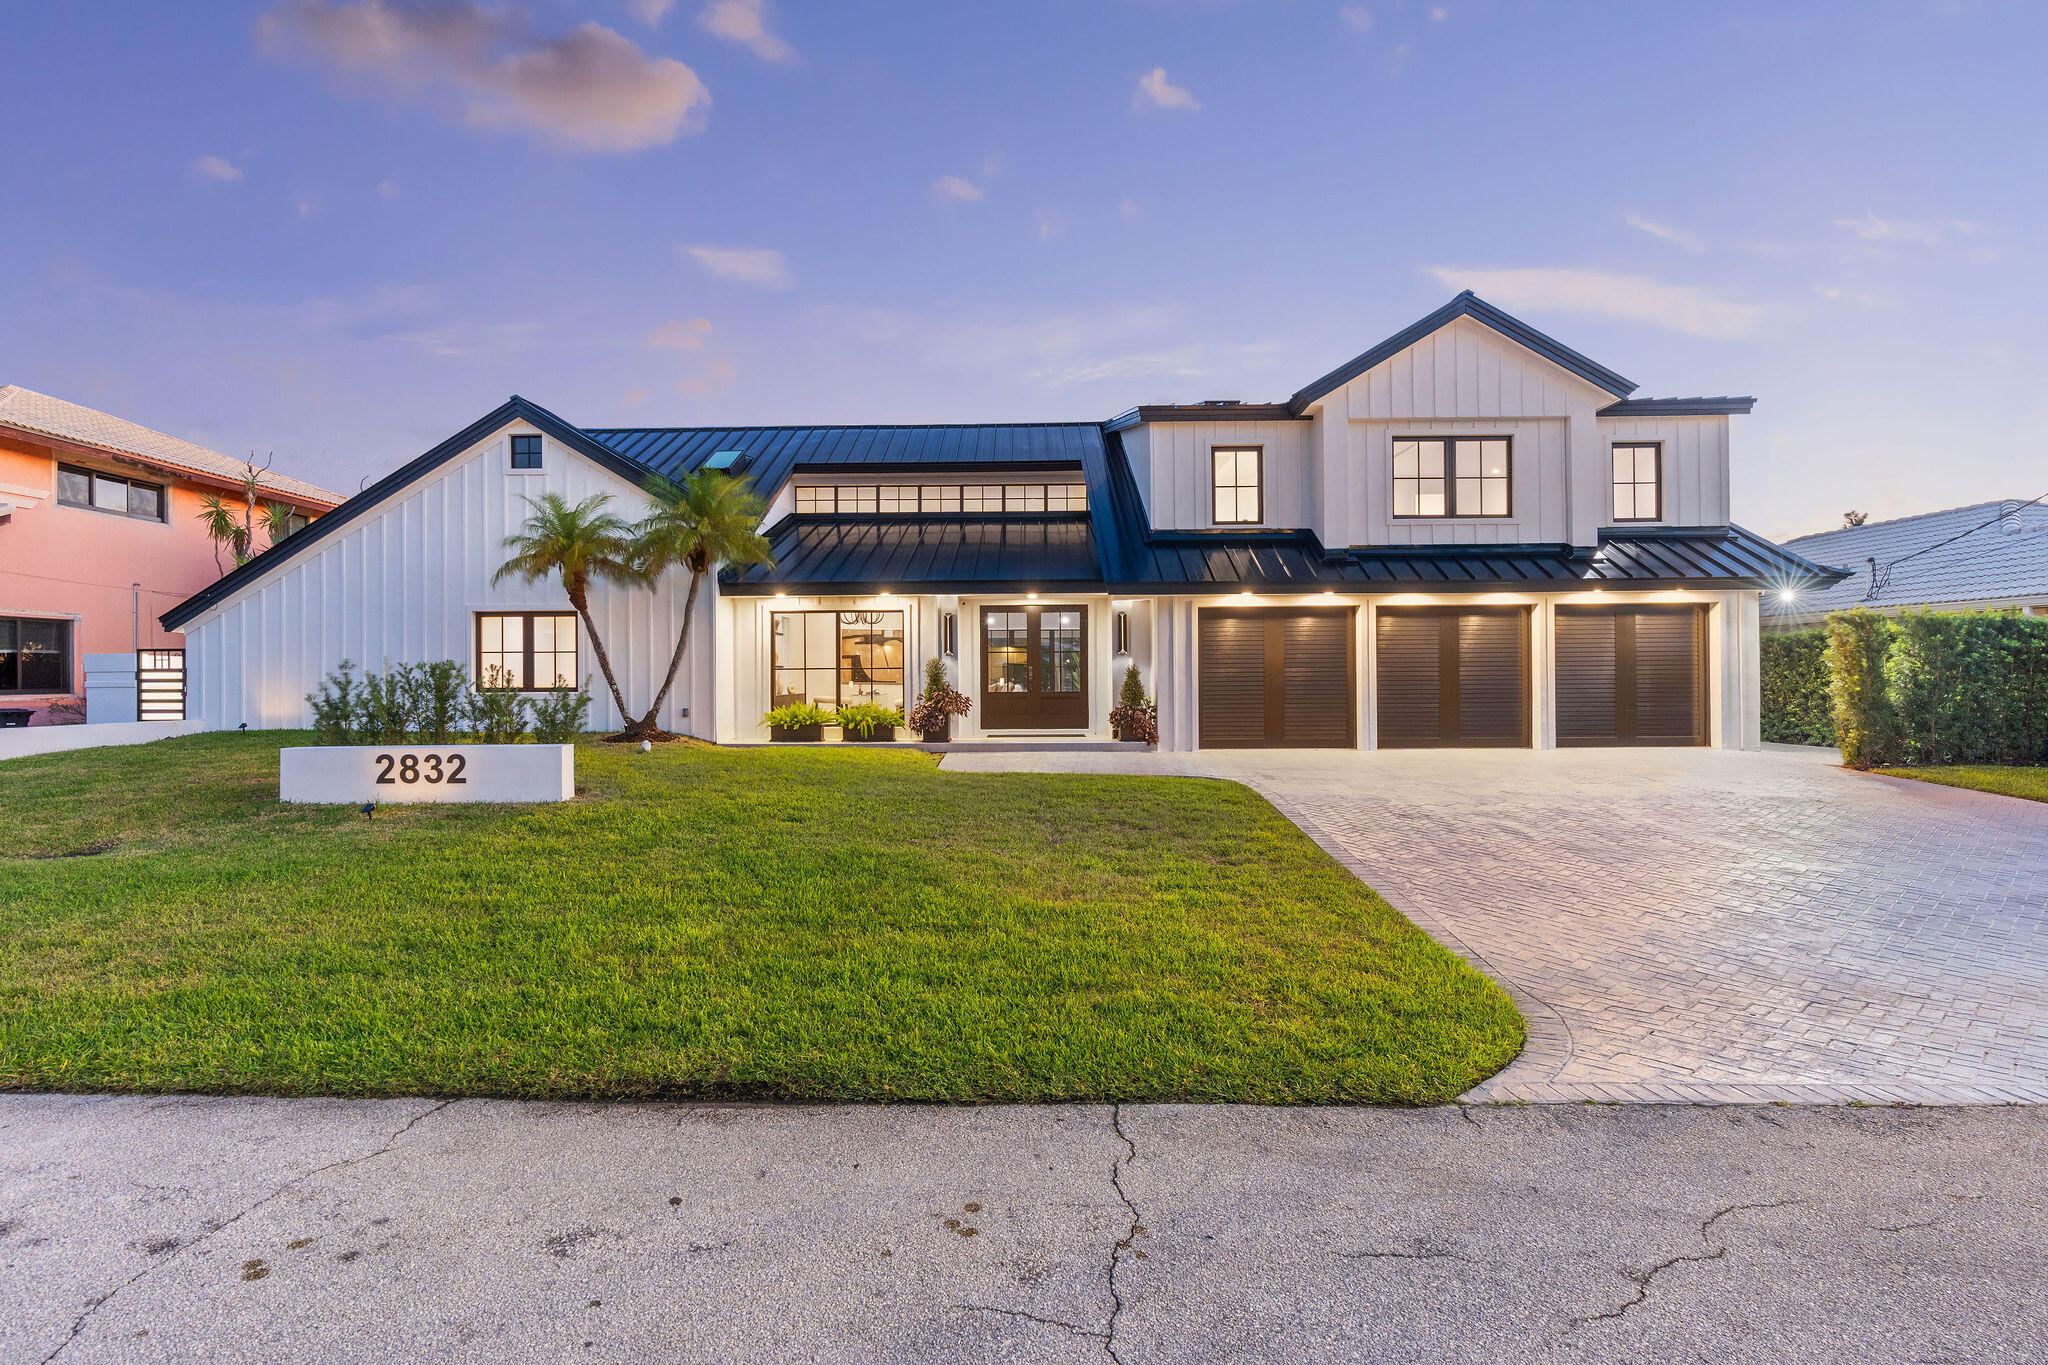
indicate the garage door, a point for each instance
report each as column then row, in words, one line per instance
column 1275, row 679
column 1631, row 675
column 1453, row 677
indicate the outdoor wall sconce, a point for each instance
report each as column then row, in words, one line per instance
column 949, row 635
column 1123, row 632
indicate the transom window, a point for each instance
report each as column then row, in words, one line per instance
column 35, row 656
column 526, row 452
column 1639, row 481
column 898, row 498
column 525, row 651
column 109, row 493
column 1238, row 474
column 1452, row 476
column 834, row 658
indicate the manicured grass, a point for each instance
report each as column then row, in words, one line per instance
column 777, row 924
column 2032, row 783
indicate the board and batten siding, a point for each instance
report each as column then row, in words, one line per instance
column 1463, row 379
column 403, row 584
column 1171, row 464
column 1695, row 464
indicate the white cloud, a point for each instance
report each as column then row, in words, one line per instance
column 650, row 12
column 1912, row 232
column 763, row 266
column 215, row 168
column 1129, row 211
column 745, row 22
column 713, row 376
column 1866, row 298
column 681, row 336
column 1357, row 18
column 957, row 188
column 1156, row 92
column 1677, row 236
column 1637, row 298
column 1048, row 224
column 589, row 89
column 1438, row 14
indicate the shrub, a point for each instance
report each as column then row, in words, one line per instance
column 1940, row 687
column 864, row 718
column 796, row 715
column 442, row 687
column 939, row 702
column 1797, row 705
column 561, row 715
column 1135, row 716
column 494, row 713
column 336, row 704
column 391, row 706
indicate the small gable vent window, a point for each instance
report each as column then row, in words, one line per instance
column 526, row 452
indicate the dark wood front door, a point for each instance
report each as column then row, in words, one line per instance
column 1453, row 677
column 1034, row 668
column 1273, row 678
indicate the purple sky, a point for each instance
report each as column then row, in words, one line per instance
column 341, row 230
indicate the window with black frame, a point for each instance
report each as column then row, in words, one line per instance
column 116, row 493
column 1453, row 476
column 526, row 651
column 835, row 658
column 35, row 655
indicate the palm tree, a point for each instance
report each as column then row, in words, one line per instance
column 224, row 530
column 579, row 542
column 277, row 520
column 709, row 519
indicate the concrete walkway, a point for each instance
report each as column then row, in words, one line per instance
column 1691, row 924
column 180, row 1230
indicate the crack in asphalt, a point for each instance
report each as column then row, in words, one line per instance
column 1076, row 1328
column 215, row 1229
column 1643, row 1278
column 1116, row 1298
column 1423, row 1252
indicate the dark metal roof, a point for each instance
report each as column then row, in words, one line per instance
column 513, row 408
column 1466, row 305
column 1203, row 412
column 773, row 452
column 1678, row 407
column 833, row 554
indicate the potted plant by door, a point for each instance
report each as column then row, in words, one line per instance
column 1135, row 716
column 798, row 722
column 866, row 723
column 932, row 714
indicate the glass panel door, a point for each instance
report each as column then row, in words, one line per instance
column 1034, row 668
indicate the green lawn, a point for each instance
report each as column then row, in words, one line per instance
column 775, row 924
column 2032, row 783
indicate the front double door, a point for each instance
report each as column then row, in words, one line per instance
column 1034, row 668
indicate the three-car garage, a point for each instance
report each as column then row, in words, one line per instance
column 1453, row 675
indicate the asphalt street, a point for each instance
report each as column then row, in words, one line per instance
column 189, row 1229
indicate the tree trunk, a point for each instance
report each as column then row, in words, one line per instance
column 579, row 598
column 646, row 724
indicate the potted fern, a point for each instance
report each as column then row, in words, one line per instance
column 932, row 715
column 800, row 722
column 1135, row 716
column 866, row 723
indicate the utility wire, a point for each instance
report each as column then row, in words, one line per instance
column 1881, row 575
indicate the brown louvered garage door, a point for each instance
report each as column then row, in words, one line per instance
column 1453, row 677
column 1273, row 678
column 1631, row 675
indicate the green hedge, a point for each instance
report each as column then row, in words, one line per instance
column 1798, row 705
column 1940, row 687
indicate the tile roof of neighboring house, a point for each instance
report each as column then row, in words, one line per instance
column 1999, row 561
column 38, row 414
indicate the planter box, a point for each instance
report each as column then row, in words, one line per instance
column 882, row 734
column 796, row 734
column 944, row 736
column 401, row 774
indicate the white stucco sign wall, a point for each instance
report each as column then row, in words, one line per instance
column 398, row 774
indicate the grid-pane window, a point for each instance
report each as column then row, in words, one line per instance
column 1067, row 497
column 899, row 497
column 35, row 656
column 526, row 651
column 810, row 498
column 1009, row 651
column 941, row 497
column 981, row 497
column 110, row 493
column 1060, row 655
column 1237, row 483
column 1453, row 477
column 832, row 658
column 858, row 498
column 526, row 452
column 1638, row 487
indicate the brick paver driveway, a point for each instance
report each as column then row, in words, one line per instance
column 1696, row 924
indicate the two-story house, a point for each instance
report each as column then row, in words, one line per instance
column 101, row 529
column 1469, row 535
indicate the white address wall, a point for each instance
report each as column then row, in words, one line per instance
column 404, row 582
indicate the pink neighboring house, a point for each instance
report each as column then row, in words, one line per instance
column 100, row 532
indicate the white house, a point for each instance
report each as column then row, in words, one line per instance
column 1469, row 535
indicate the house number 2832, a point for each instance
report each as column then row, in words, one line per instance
column 393, row 769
